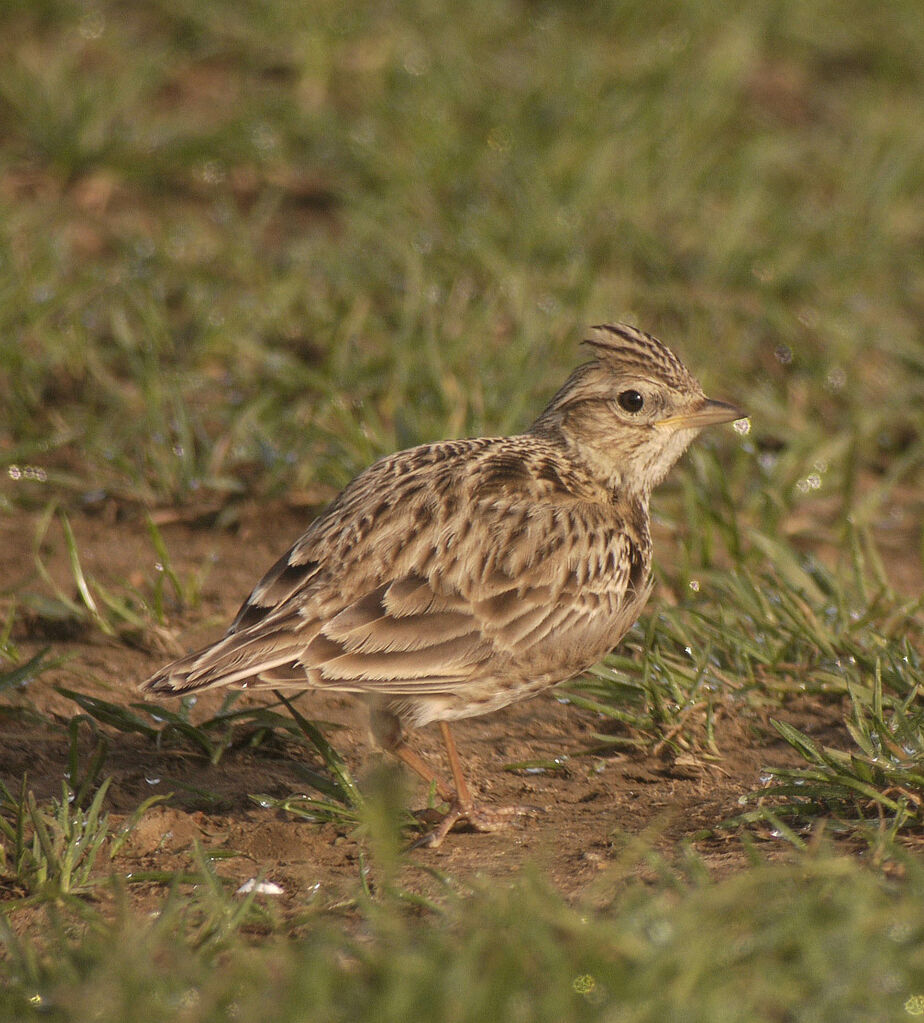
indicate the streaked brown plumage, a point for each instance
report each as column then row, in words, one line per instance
column 451, row 579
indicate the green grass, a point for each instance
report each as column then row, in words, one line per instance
column 247, row 247
column 825, row 940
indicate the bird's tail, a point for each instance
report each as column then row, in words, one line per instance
column 239, row 659
column 184, row 675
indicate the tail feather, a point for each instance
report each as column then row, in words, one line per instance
column 237, row 657
column 175, row 677
column 229, row 662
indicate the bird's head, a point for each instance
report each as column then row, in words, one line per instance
column 631, row 412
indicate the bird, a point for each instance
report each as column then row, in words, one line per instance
column 454, row 578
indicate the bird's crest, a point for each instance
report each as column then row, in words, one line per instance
column 633, row 351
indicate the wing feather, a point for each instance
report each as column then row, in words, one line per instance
column 428, row 588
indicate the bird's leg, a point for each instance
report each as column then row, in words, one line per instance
column 463, row 807
column 463, row 796
column 420, row 767
column 388, row 733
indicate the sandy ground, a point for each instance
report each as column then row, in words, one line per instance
column 585, row 812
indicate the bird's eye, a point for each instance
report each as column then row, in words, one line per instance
column 631, row 401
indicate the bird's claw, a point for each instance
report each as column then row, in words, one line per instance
column 478, row 819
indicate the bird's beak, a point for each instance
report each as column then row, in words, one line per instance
column 709, row 413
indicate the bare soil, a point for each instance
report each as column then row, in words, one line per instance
column 585, row 811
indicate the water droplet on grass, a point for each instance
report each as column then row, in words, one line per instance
column 660, row 931
column 810, row 482
column 91, row 25
column 31, row 473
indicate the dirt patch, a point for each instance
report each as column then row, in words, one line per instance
column 585, row 810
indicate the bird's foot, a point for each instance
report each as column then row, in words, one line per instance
column 478, row 818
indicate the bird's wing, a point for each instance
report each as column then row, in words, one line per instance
column 429, row 589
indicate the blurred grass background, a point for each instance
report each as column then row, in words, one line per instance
column 247, row 246
column 252, row 245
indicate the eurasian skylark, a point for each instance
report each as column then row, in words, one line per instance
column 451, row 579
